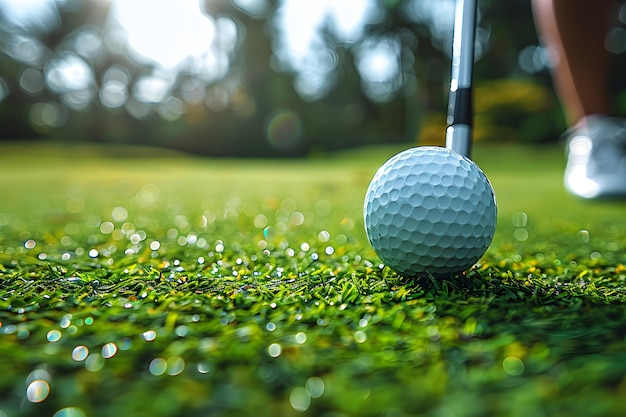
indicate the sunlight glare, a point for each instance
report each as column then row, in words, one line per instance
column 40, row 15
column 301, row 26
column 350, row 17
column 165, row 31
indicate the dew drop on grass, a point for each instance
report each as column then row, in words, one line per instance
column 149, row 335
column 360, row 336
column 107, row 228
column 300, row 338
column 204, row 367
column 70, row 412
column 583, row 236
column 323, row 236
column 274, row 350
column 109, row 350
column 80, row 353
column 181, row 330
column 270, row 326
column 269, row 232
column 296, row 218
column 8, row 329
column 65, row 322
column 53, row 336
column 37, row 391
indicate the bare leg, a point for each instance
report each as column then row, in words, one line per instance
column 574, row 33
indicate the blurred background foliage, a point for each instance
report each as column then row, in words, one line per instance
column 267, row 77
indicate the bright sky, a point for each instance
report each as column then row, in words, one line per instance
column 301, row 47
column 165, row 31
column 177, row 35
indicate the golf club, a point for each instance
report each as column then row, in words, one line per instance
column 460, row 109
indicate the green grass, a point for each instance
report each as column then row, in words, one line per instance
column 163, row 285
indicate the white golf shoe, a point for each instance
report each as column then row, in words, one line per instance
column 596, row 158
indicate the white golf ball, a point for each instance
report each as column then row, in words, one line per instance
column 430, row 210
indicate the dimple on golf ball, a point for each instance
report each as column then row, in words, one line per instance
column 429, row 210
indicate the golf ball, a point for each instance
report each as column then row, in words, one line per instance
column 430, row 210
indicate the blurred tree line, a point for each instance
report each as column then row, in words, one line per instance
column 67, row 75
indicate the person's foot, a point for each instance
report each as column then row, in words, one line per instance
column 596, row 158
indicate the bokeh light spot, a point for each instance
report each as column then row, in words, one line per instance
column 513, row 366
column 300, row 399
column 158, row 366
column 94, row 362
column 31, row 81
column 274, row 350
column 45, row 116
column 284, row 130
column 68, row 72
column 80, row 353
column 315, row 387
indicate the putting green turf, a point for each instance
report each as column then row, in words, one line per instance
column 144, row 283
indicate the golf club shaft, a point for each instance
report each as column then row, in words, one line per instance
column 460, row 104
